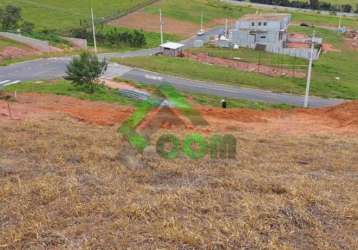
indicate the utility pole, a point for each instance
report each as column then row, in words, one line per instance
column 226, row 28
column 202, row 22
column 309, row 74
column 94, row 32
column 340, row 22
column 340, row 18
column 161, row 27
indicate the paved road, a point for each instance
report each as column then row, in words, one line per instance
column 277, row 7
column 211, row 88
column 51, row 68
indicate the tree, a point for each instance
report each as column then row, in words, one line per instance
column 314, row 4
column 27, row 27
column 10, row 17
column 85, row 70
column 347, row 8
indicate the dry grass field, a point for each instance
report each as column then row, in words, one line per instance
column 69, row 184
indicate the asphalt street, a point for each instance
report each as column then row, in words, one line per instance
column 53, row 68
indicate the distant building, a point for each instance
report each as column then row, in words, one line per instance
column 172, row 49
column 268, row 32
column 264, row 30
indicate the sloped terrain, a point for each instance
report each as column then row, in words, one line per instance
column 66, row 183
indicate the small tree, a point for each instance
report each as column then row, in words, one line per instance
column 10, row 17
column 314, row 4
column 85, row 70
column 27, row 27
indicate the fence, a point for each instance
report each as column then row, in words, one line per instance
column 295, row 52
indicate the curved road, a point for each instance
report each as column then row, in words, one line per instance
column 52, row 68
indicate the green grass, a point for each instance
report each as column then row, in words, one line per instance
column 64, row 14
column 190, row 10
column 214, row 101
column 195, row 70
column 253, row 56
column 6, row 43
column 65, row 88
column 325, row 71
column 323, row 20
column 337, row 2
column 152, row 38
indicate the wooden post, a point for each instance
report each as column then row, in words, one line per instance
column 9, row 109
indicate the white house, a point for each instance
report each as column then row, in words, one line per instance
column 267, row 30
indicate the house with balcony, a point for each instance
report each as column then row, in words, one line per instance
column 267, row 31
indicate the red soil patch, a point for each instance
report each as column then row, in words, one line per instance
column 15, row 52
column 340, row 119
column 327, row 47
column 297, row 36
column 39, row 105
column 163, row 118
column 150, row 22
column 298, row 45
column 245, row 66
column 351, row 40
column 351, row 44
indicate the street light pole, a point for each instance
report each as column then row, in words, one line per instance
column 309, row 74
column 94, row 32
column 161, row 27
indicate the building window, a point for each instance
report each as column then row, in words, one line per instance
column 263, row 37
column 280, row 35
column 252, row 24
column 260, row 23
column 265, row 23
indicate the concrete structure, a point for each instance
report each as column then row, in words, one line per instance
column 172, row 49
column 76, row 42
column 40, row 45
column 266, row 30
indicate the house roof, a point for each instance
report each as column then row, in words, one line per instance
column 264, row 17
column 172, row 45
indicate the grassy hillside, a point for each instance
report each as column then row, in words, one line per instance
column 190, row 10
column 67, row 13
column 351, row 2
column 71, row 185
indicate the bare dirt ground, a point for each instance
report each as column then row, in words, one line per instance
column 150, row 22
column 304, row 43
column 245, row 66
column 64, row 183
column 12, row 52
column 351, row 40
column 43, row 106
column 342, row 119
